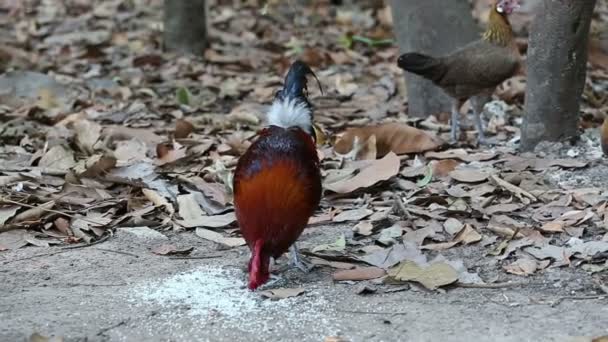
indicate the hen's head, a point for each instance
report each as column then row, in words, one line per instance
column 507, row 6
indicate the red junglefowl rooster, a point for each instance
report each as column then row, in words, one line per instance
column 277, row 182
column 475, row 70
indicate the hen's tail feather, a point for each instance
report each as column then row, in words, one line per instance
column 295, row 86
column 420, row 64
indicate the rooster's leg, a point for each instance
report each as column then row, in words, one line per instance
column 298, row 261
column 455, row 132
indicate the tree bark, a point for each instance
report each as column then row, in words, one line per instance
column 185, row 24
column 557, row 64
column 434, row 27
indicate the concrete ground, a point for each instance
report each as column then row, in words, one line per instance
column 119, row 291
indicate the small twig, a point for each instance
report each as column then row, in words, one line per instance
column 6, row 200
column 374, row 312
column 104, row 330
column 100, row 240
column 491, row 286
column 561, row 299
column 62, row 250
column 512, row 188
column 196, row 257
column 117, row 252
column 95, row 285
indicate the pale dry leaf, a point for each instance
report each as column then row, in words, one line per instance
column 189, row 209
column 58, row 157
column 36, row 337
column 247, row 113
column 333, row 264
column 337, row 246
column 13, row 239
column 430, row 276
column 395, row 137
column 282, row 293
column 33, row 214
column 469, row 175
column 468, row 235
column 168, row 249
column 158, row 200
column 7, row 212
column 389, row 235
column 418, row 236
column 374, row 172
column 522, row 266
column 215, row 221
column 386, row 258
column 359, row 273
column 219, row 238
column 353, row 215
column 87, row 135
column 365, row 228
column 130, row 151
column 452, row 226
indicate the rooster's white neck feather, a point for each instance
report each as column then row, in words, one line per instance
column 289, row 112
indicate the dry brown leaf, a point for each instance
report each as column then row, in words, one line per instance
column 442, row 168
column 95, row 166
column 183, row 128
column 169, row 153
column 553, row 227
column 359, row 273
column 373, row 172
column 395, row 137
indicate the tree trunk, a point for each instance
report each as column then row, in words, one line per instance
column 185, row 26
column 557, row 63
column 434, row 27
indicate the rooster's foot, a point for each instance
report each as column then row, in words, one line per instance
column 298, row 261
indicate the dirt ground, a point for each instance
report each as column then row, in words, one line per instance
column 119, row 291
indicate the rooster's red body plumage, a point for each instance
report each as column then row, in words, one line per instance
column 277, row 182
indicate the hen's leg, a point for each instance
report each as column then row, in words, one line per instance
column 455, row 131
column 478, row 103
column 298, row 261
